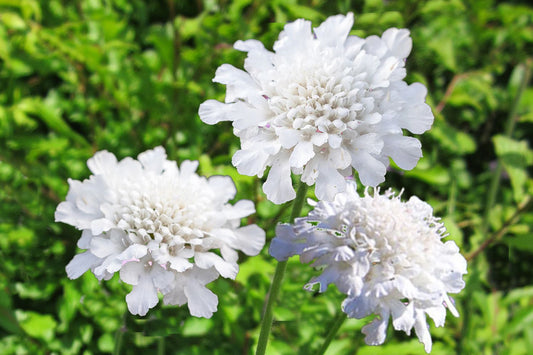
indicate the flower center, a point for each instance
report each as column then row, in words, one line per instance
column 326, row 98
column 161, row 212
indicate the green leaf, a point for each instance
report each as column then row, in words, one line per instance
column 523, row 319
column 36, row 325
column 445, row 50
column 106, row 343
column 433, row 175
column 12, row 21
column 196, row 326
column 516, row 157
column 51, row 117
column 521, row 241
column 452, row 139
column 455, row 233
column 8, row 320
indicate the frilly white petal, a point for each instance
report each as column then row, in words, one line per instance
column 201, row 301
column 376, row 331
column 208, row 260
column 250, row 239
column 294, row 37
column 101, row 225
column 403, row 316
column 422, row 331
column 416, row 115
column 398, row 41
column 188, row 168
column 328, row 276
column 248, row 45
column 81, row 263
column 85, row 241
column 301, row 154
column 334, row 30
column 134, row 251
column 329, row 182
column 242, row 208
column 223, row 187
column 278, row 186
column 288, row 137
column 153, row 159
column 405, row 151
column 213, row 111
column 102, row 163
column 259, row 61
column 102, row 247
column 131, row 272
column 250, row 162
column 285, row 244
column 239, row 84
column 371, row 170
column 359, row 306
column 242, row 114
column 143, row 296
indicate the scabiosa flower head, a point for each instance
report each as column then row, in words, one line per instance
column 384, row 254
column 321, row 104
column 164, row 228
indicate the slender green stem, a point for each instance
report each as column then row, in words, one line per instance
column 161, row 345
column 119, row 334
column 275, row 287
column 337, row 323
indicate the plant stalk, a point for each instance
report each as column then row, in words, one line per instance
column 275, row 286
column 337, row 323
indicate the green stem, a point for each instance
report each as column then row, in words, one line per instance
column 275, row 287
column 161, row 345
column 120, row 334
column 337, row 323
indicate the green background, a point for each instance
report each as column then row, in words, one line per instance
column 128, row 75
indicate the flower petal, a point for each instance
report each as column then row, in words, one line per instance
column 102, row 163
column 334, row 30
column 371, row 170
column 207, row 260
column 376, row 331
column 81, row 263
column 398, row 41
column 278, row 186
column 250, row 161
column 143, row 296
column 405, row 151
column 201, row 301
column 250, row 239
column 153, row 159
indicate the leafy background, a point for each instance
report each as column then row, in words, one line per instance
column 128, row 75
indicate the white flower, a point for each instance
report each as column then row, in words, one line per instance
column 384, row 254
column 164, row 228
column 321, row 104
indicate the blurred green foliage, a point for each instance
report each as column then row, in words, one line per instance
column 128, row 75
